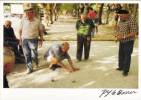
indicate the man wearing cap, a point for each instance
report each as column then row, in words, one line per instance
column 30, row 30
column 84, row 27
column 126, row 31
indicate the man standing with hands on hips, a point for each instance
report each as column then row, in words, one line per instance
column 30, row 30
column 126, row 31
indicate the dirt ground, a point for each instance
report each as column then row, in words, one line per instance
column 97, row 72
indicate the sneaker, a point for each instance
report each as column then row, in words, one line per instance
column 29, row 71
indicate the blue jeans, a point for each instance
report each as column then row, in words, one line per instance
column 30, row 52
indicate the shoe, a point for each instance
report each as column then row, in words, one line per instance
column 29, row 71
column 86, row 59
column 125, row 73
column 54, row 67
column 120, row 69
column 78, row 60
column 36, row 66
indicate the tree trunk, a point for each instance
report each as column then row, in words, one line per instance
column 100, row 13
column 107, row 14
column 126, row 6
column 51, row 13
column 46, row 14
column 56, row 11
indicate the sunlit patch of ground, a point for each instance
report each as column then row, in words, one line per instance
column 97, row 72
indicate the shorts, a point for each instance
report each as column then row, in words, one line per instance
column 49, row 58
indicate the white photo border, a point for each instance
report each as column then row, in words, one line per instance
column 57, row 93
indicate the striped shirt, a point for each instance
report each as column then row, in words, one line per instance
column 126, row 27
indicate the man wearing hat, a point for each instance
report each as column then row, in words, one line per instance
column 126, row 31
column 30, row 30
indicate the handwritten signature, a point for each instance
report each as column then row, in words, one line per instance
column 107, row 92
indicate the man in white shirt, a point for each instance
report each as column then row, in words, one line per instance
column 30, row 30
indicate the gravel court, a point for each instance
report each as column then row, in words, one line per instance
column 97, row 72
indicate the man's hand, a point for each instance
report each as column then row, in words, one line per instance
column 40, row 43
column 88, row 38
column 72, row 68
column 76, row 69
column 69, row 69
column 20, row 42
column 120, row 37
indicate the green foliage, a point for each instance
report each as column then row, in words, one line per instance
column 67, row 7
column 6, row 7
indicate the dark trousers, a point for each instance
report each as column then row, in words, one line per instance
column 83, row 41
column 14, row 45
column 125, row 51
column 5, row 82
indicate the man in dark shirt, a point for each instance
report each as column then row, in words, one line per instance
column 9, row 36
column 11, row 40
column 56, row 54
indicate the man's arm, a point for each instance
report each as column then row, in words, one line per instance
column 12, row 32
column 20, row 33
column 68, row 68
column 77, row 25
column 70, row 62
column 41, row 34
column 93, row 25
column 72, row 66
column 133, row 28
column 122, row 37
column 132, row 34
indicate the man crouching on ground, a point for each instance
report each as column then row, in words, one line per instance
column 56, row 54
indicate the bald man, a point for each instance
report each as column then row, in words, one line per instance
column 11, row 40
column 56, row 54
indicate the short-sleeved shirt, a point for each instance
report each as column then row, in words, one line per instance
column 84, row 28
column 30, row 29
column 127, row 27
column 56, row 51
